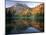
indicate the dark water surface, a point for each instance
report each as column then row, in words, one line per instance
column 22, row 25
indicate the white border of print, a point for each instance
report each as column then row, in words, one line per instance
column 2, row 18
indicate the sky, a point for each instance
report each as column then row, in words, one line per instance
column 10, row 3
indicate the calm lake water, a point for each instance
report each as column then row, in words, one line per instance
column 33, row 25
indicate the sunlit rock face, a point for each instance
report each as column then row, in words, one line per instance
column 38, row 9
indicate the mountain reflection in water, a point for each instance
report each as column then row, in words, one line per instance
column 26, row 26
column 28, row 30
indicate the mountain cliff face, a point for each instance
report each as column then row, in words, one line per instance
column 38, row 9
column 33, row 11
column 21, row 9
